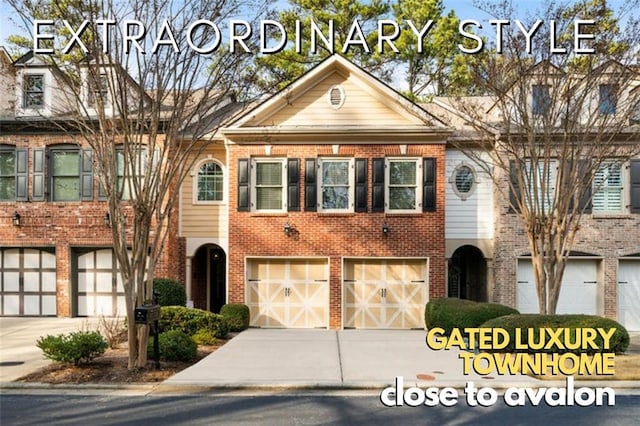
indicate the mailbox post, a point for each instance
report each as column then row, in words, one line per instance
column 148, row 315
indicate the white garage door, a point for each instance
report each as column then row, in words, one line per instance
column 389, row 293
column 578, row 294
column 629, row 294
column 100, row 290
column 27, row 282
column 292, row 293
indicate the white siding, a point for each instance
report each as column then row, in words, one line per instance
column 471, row 218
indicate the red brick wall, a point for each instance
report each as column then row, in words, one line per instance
column 335, row 235
column 65, row 225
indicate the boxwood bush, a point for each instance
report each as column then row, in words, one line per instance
column 237, row 316
column 450, row 313
column 619, row 342
column 74, row 347
column 191, row 320
column 174, row 345
column 172, row 293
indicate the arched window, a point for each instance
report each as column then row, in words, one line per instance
column 210, row 186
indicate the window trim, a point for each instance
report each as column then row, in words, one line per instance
column 453, row 180
column 623, row 186
column 195, row 174
column 418, row 185
column 352, row 184
column 254, row 185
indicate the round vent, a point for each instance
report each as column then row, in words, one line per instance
column 336, row 97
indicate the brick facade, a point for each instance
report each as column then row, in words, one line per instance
column 335, row 235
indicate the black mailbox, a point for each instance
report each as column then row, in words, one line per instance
column 147, row 314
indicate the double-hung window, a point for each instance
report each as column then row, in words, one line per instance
column 33, row 91
column 131, row 171
column 7, row 174
column 608, row 188
column 541, row 99
column 65, row 174
column 403, row 191
column 336, row 185
column 608, row 99
column 268, row 186
column 541, row 182
column 98, row 89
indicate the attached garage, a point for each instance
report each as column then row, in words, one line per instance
column 629, row 293
column 385, row 293
column 291, row 293
column 578, row 294
column 99, row 287
column 27, row 282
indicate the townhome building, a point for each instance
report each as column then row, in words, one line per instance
column 336, row 203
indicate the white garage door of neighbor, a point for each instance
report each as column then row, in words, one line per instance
column 385, row 294
column 100, row 289
column 27, row 282
column 629, row 294
column 291, row 293
column 578, row 294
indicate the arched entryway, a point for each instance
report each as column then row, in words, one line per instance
column 209, row 278
column 467, row 274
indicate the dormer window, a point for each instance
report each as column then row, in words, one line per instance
column 541, row 99
column 33, row 87
column 98, row 89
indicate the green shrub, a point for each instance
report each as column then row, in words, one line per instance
column 204, row 337
column 450, row 313
column 172, row 293
column 618, row 343
column 74, row 347
column 174, row 345
column 190, row 321
column 237, row 316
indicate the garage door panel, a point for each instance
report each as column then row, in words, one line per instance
column 11, row 304
column 11, row 281
column 629, row 294
column 99, row 287
column 31, row 305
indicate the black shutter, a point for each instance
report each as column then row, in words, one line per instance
column 429, row 185
column 22, row 168
column 310, row 185
column 361, row 185
column 377, row 185
column 514, row 188
column 38, row 190
column 243, row 185
column 634, row 196
column 584, row 171
column 293, row 184
column 86, row 175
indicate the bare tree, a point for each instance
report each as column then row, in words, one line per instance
column 146, row 107
column 559, row 126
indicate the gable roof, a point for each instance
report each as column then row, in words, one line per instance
column 411, row 117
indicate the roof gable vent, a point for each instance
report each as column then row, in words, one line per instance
column 336, row 96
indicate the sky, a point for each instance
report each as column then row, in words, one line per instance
column 464, row 9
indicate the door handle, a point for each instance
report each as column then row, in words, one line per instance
column 383, row 292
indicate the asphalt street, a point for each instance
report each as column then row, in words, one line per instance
column 350, row 408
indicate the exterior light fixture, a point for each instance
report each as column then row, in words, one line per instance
column 385, row 229
column 287, row 229
column 16, row 219
column 107, row 220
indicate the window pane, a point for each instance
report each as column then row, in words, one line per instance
column 335, row 173
column 541, row 99
column 65, row 163
column 7, row 163
column 402, row 173
column 608, row 188
column 402, row 198
column 608, row 99
column 33, row 91
column 335, row 197
column 464, row 179
column 210, row 182
column 7, row 188
column 269, row 173
column 66, row 188
column 269, row 198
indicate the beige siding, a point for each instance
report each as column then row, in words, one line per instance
column 362, row 106
column 204, row 220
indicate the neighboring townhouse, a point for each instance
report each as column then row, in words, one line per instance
column 336, row 204
column 55, row 238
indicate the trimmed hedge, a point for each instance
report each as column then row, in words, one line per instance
column 174, row 345
column 237, row 316
column 191, row 320
column 450, row 313
column 74, row 347
column 619, row 341
column 172, row 293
